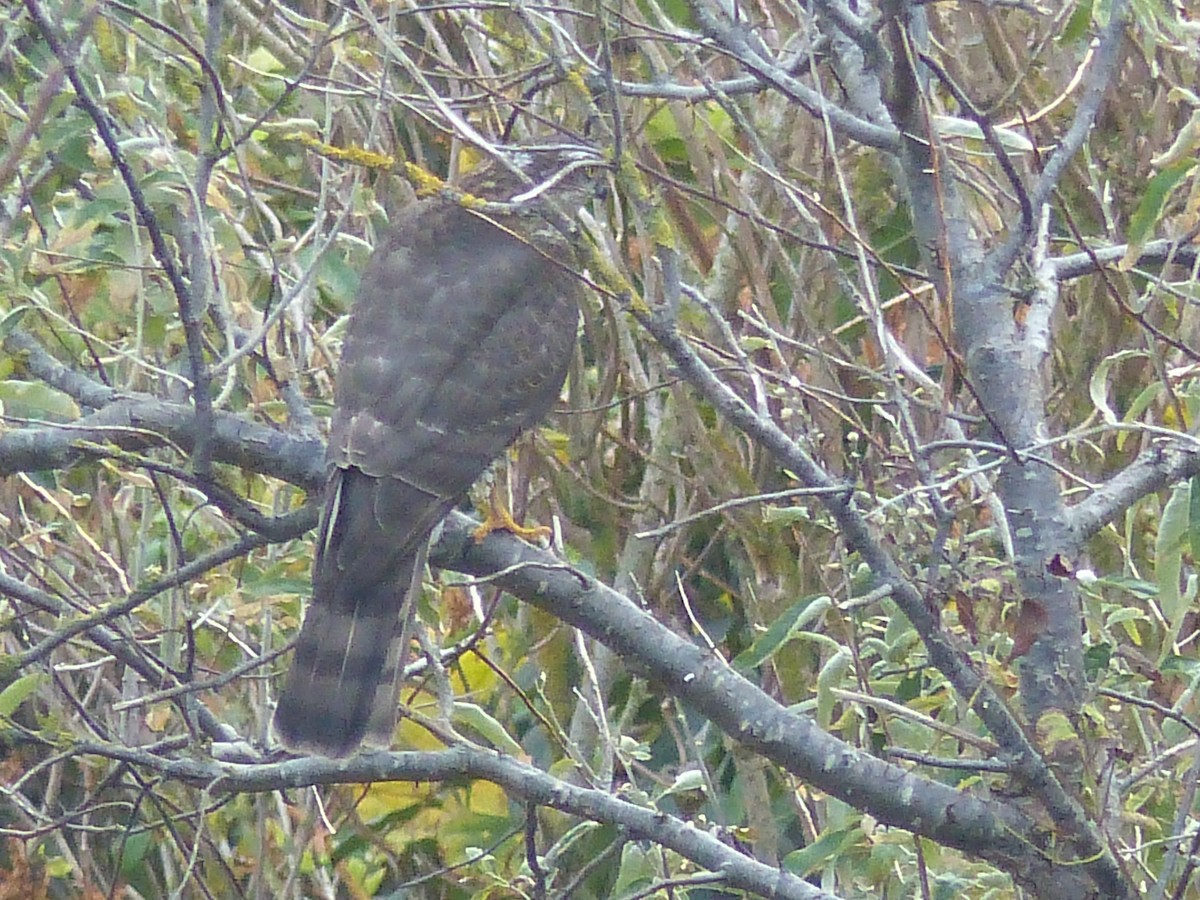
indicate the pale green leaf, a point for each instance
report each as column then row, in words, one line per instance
column 640, row 867
column 37, row 401
column 1139, row 405
column 781, row 630
column 1168, row 559
column 12, row 318
column 1098, row 386
column 1194, row 519
column 956, row 127
column 825, row 849
column 487, row 726
column 828, row 678
column 1149, row 211
column 686, row 781
column 18, row 692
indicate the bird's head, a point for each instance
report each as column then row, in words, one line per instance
column 538, row 177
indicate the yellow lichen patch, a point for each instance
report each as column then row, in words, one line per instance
column 356, row 155
column 425, row 182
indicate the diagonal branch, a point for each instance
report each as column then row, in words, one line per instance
column 463, row 763
column 949, row 659
column 736, row 40
column 1104, row 67
column 184, row 295
column 745, row 712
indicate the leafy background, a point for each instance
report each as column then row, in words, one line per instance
column 268, row 144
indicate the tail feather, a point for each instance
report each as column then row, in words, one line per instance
column 344, row 679
column 337, row 677
column 381, row 725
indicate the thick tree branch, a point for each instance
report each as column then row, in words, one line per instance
column 140, row 421
column 1075, row 265
column 1158, row 466
column 29, row 356
column 1002, row 367
column 949, row 659
column 742, row 710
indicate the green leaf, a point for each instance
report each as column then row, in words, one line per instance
column 1168, row 559
column 59, row 867
column 1096, row 659
column 488, row 727
column 955, row 127
column 1098, row 386
column 1180, row 665
column 338, row 281
column 679, row 12
column 827, row 848
column 686, row 781
column 1136, row 586
column 1139, row 405
column 768, row 643
column 18, row 692
column 1077, row 25
column 1125, row 614
column 35, row 400
column 1054, row 728
column 751, row 343
column 273, row 586
column 785, row 515
column 1194, row 519
column 639, row 868
column 663, row 132
column 1150, row 209
column 718, row 121
column 12, row 319
column 137, row 845
column 263, row 61
column 828, row 678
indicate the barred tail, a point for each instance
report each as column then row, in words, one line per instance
column 343, row 683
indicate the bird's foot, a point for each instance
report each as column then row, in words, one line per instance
column 498, row 517
column 501, row 519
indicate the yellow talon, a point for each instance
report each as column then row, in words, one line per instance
column 498, row 517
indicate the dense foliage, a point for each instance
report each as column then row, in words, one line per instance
column 888, row 381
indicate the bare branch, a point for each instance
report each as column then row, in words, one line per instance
column 518, row 780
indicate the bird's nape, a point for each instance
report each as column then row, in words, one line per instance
column 537, row 177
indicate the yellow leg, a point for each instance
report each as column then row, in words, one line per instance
column 498, row 517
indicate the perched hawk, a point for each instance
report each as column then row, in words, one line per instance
column 458, row 340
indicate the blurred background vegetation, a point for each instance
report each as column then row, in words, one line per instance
column 268, row 142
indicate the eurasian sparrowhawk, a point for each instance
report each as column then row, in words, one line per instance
column 458, row 340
